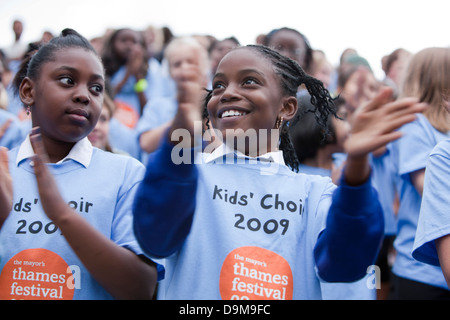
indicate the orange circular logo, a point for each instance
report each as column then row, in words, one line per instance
column 253, row 273
column 126, row 114
column 36, row 274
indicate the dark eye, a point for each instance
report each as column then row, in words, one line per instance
column 97, row 88
column 66, row 80
column 250, row 81
column 217, row 86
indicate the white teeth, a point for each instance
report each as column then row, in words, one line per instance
column 233, row 113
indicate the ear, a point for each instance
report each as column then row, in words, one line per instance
column 26, row 91
column 289, row 109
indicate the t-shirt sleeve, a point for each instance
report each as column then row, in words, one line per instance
column 122, row 232
column 414, row 147
column 434, row 218
column 157, row 112
column 352, row 236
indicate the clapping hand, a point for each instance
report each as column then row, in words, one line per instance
column 190, row 102
column 374, row 125
column 52, row 202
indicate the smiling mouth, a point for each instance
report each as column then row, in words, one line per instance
column 232, row 113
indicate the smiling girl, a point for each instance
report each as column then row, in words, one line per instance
column 70, row 235
column 228, row 231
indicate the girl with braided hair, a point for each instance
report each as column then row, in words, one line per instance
column 230, row 227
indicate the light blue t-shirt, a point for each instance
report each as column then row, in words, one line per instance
column 124, row 138
column 362, row 289
column 15, row 105
column 385, row 180
column 303, row 168
column 434, row 219
column 414, row 147
column 157, row 85
column 35, row 259
column 157, row 112
column 264, row 228
column 14, row 135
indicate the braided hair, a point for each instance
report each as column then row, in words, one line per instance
column 291, row 76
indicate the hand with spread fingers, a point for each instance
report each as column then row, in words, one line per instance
column 375, row 124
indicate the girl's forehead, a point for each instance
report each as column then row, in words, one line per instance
column 65, row 52
column 242, row 51
column 81, row 57
column 245, row 57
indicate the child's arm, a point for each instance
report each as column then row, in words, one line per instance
column 352, row 237
column 432, row 239
column 162, row 227
column 163, row 211
column 121, row 272
column 443, row 250
column 355, row 225
column 134, row 68
column 6, row 188
column 150, row 139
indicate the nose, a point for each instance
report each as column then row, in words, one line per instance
column 230, row 93
column 81, row 95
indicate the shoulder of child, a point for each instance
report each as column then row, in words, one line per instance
column 112, row 159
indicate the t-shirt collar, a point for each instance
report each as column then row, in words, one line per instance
column 224, row 150
column 81, row 152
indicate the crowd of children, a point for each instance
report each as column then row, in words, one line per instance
column 200, row 168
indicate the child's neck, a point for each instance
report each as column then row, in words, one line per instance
column 57, row 150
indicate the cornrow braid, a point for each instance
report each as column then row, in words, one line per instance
column 292, row 76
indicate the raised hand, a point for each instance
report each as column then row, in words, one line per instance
column 190, row 89
column 136, row 60
column 375, row 124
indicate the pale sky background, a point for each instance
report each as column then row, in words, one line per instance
column 373, row 28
